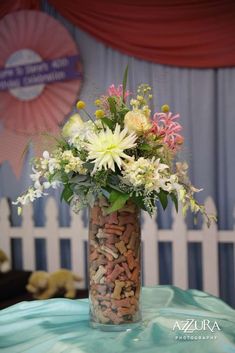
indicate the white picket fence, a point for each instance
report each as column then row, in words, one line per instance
column 179, row 236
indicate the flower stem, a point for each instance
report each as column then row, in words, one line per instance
column 90, row 117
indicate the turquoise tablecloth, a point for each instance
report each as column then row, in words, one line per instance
column 61, row 326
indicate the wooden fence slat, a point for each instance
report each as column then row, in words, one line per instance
column 180, row 251
column 28, row 238
column 79, row 235
column 52, row 236
column 5, row 241
column 149, row 237
column 210, row 254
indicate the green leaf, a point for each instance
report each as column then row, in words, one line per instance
column 66, row 194
column 89, row 165
column 175, row 201
column 115, row 187
column 78, row 178
column 64, row 177
column 117, row 200
column 145, row 147
column 138, row 201
column 112, row 105
column 158, row 146
column 108, row 122
column 163, row 198
column 124, row 82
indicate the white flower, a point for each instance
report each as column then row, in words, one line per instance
column 107, row 147
column 36, row 178
column 30, row 196
column 49, row 163
column 79, row 139
column 74, row 164
column 53, row 184
column 170, row 183
column 146, row 173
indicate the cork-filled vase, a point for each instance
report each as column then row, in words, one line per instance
column 114, row 266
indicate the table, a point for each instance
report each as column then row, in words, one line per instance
column 174, row 320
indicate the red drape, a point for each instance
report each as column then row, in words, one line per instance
column 188, row 33
column 7, row 6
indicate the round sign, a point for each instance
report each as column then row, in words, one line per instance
column 23, row 57
column 40, row 76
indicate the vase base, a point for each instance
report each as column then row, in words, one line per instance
column 115, row 328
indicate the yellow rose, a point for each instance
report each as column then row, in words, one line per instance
column 136, row 121
column 72, row 126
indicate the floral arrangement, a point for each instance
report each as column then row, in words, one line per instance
column 122, row 152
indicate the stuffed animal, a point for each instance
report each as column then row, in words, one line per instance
column 44, row 285
column 4, row 262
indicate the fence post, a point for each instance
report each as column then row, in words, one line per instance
column 210, row 253
column 150, row 253
column 27, row 231
column 52, row 236
column 5, row 241
column 180, row 251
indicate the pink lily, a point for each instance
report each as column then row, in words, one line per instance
column 165, row 126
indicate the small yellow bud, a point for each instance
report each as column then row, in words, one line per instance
column 98, row 102
column 99, row 114
column 140, row 98
column 150, row 96
column 81, row 105
column 165, row 108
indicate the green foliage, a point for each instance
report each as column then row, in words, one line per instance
column 67, row 194
column 144, row 147
column 100, row 177
column 124, row 83
column 117, row 200
column 162, row 195
column 112, row 105
column 78, row 179
column 110, row 123
column 138, row 200
column 175, row 201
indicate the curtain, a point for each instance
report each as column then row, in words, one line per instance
column 7, row 6
column 205, row 100
column 183, row 33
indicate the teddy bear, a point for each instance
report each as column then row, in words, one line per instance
column 4, row 262
column 44, row 285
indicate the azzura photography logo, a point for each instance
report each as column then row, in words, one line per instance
column 192, row 329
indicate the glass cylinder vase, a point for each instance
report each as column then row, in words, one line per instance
column 114, row 266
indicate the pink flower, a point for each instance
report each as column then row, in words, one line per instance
column 165, row 126
column 117, row 91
